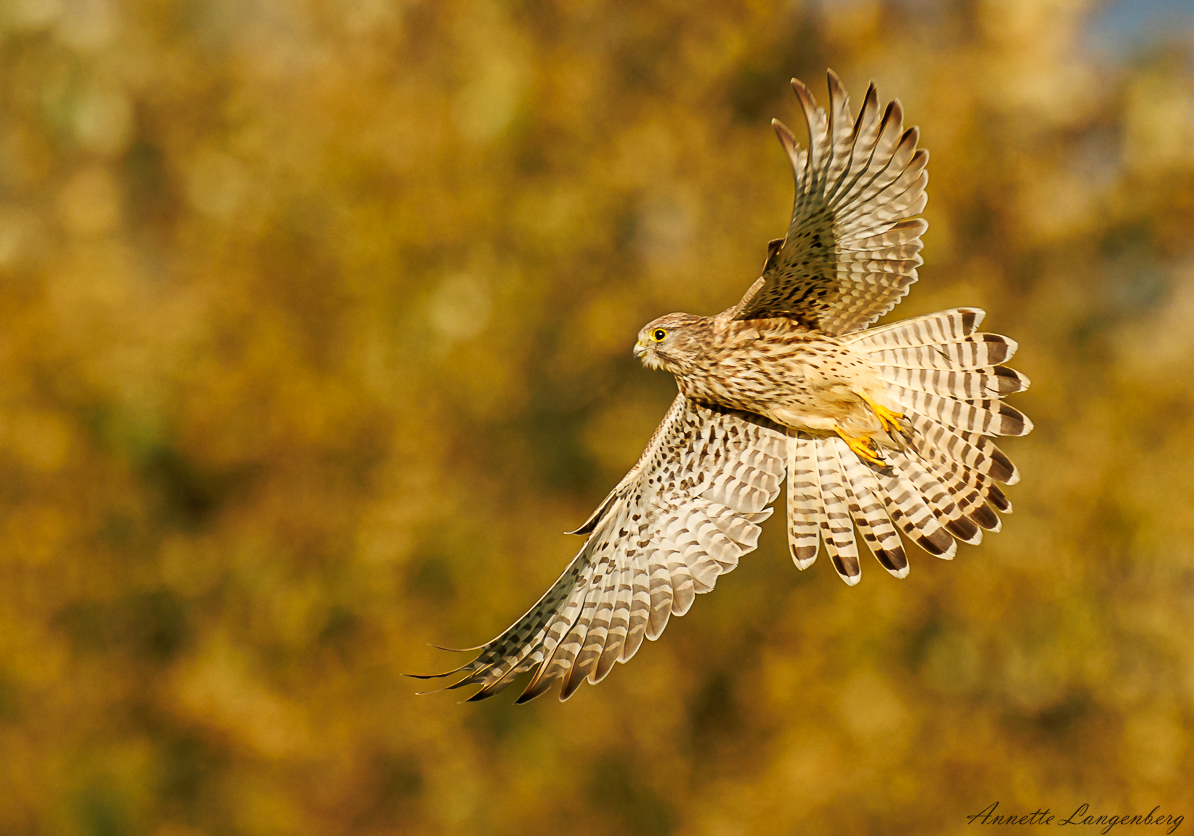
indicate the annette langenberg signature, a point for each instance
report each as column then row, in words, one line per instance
column 1080, row 816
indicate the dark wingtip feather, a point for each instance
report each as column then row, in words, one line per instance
column 786, row 138
column 1010, row 381
column 1012, row 421
column 999, row 348
column 849, row 571
column 938, row 543
column 836, row 88
column 998, row 499
column 426, row 676
column 459, row 649
column 437, row 675
column 971, row 319
column 803, row 556
column 807, row 103
column 870, row 103
column 468, row 680
column 894, row 561
column 964, row 529
column 605, row 664
column 571, row 682
column 986, row 517
column 1003, row 470
column 537, row 687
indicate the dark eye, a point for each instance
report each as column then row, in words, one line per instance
column 658, row 334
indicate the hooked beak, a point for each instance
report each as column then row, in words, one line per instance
column 639, row 349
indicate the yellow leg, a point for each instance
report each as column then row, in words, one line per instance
column 890, row 421
column 864, row 447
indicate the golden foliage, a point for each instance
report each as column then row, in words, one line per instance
column 316, row 332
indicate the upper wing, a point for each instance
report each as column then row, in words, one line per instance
column 853, row 246
column 682, row 516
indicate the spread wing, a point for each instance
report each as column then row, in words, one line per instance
column 683, row 515
column 853, row 245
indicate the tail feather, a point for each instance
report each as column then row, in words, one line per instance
column 943, row 484
column 985, row 417
column 994, row 382
column 937, row 497
column 837, row 528
column 969, row 489
column 870, row 514
column 997, row 499
column 804, row 498
column 978, row 351
column 912, row 515
column 830, row 490
column 977, row 452
column 932, row 329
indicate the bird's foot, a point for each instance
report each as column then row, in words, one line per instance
column 888, row 420
column 866, row 449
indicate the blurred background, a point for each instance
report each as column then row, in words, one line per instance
column 315, row 331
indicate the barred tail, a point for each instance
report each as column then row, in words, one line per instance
column 944, row 485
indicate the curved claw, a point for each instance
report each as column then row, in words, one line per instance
column 866, row 449
column 891, row 422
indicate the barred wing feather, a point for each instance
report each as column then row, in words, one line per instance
column 681, row 517
column 943, row 485
column 853, row 244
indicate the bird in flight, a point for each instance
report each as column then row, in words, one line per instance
column 885, row 430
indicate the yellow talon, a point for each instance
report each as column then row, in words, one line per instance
column 865, row 448
column 888, row 420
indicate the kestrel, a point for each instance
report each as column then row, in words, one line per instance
column 886, row 430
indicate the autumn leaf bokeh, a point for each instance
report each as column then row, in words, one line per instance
column 315, row 331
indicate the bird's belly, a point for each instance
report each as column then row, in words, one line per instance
column 816, row 397
column 821, row 412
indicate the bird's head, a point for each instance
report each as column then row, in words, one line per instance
column 673, row 342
